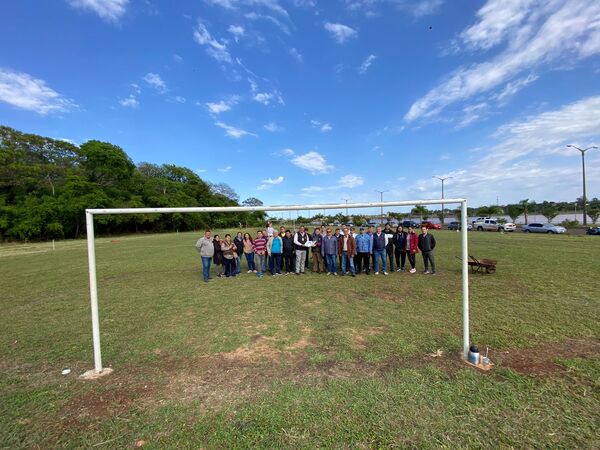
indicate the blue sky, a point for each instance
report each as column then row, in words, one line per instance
column 311, row 101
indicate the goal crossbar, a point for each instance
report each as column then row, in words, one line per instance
column 89, row 215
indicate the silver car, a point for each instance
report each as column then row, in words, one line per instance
column 543, row 228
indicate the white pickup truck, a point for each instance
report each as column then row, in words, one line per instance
column 486, row 225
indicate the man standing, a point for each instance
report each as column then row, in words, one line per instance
column 301, row 242
column 426, row 245
column 329, row 251
column 338, row 236
column 288, row 251
column 275, row 248
column 206, row 249
column 379, row 252
column 364, row 247
column 389, row 246
column 347, row 247
column 317, row 257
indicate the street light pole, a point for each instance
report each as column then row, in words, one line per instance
column 381, row 194
column 346, row 200
column 583, row 150
column 442, row 179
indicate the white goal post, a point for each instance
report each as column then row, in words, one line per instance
column 90, row 213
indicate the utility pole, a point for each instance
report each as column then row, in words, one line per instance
column 583, row 150
column 381, row 194
column 346, row 200
column 442, row 179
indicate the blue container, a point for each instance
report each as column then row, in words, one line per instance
column 474, row 355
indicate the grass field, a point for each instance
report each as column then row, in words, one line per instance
column 300, row 362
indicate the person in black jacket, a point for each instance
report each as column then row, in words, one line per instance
column 239, row 245
column 389, row 248
column 218, row 256
column 426, row 245
column 400, row 248
column 288, row 252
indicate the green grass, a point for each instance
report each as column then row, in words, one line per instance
column 304, row 362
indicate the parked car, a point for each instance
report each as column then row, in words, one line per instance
column 508, row 226
column 593, row 231
column 486, row 225
column 479, row 219
column 543, row 228
column 410, row 223
column 456, row 226
column 430, row 225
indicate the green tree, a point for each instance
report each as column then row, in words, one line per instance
column 514, row 211
column 527, row 207
column 549, row 211
column 594, row 214
column 420, row 211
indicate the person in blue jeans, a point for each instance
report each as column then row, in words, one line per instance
column 206, row 248
column 329, row 250
column 379, row 250
column 275, row 249
column 347, row 247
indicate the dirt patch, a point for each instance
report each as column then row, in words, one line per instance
column 540, row 360
column 360, row 338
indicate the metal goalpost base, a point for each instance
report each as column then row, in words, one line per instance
column 89, row 216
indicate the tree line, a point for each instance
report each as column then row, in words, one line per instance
column 47, row 184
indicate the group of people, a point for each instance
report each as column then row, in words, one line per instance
column 288, row 251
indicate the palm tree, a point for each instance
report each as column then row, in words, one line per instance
column 514, row 211
column 526, row 204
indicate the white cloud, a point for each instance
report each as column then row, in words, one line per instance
column 420, row 8
column 225, row 169
column 278, row 23
column 324, row 127
column 269, row 183
column 108, row 10
column 155, row 81
column 513, row 87
column 23, row 91
column 340, row 32
column 177, row 58
column 296, row 54
column 350, row 181
column 313, row 162
column 272, row 127
column 549, row 33
column 222, row 106
column 179, row 99
column 234, row 132
column 271, row 5
column 530, row 158
column 136, row 88
column 200, row 170
column 129, row 102
column 366, row 64
column 237, row 31
column 267, row 97
column 215, row 49
column 287, row 152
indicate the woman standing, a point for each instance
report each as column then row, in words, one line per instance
column 239, row 250
column 412, row 248
column 260, row 248
column 228, row 248
column 218, row 256
column 249, row 252
column 400, row 248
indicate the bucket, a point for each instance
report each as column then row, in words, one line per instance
column 474, row 355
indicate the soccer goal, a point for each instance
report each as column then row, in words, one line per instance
column 90, row 213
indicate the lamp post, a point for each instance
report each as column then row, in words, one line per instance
column 381, row 194
column 583, row 150
column 442, row 179
column 346, row 200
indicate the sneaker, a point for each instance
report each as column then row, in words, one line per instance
column 249, row 271
column 353, row 275
column 376, row 273
column 335, row 274
column 412, row 270
column 402, row 269
column 385, row 273
column 397, row 270
column 328, row 273
column 426, row 272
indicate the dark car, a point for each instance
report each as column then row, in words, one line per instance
column 456, row 226
column 593, row 231
column 410, row 223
